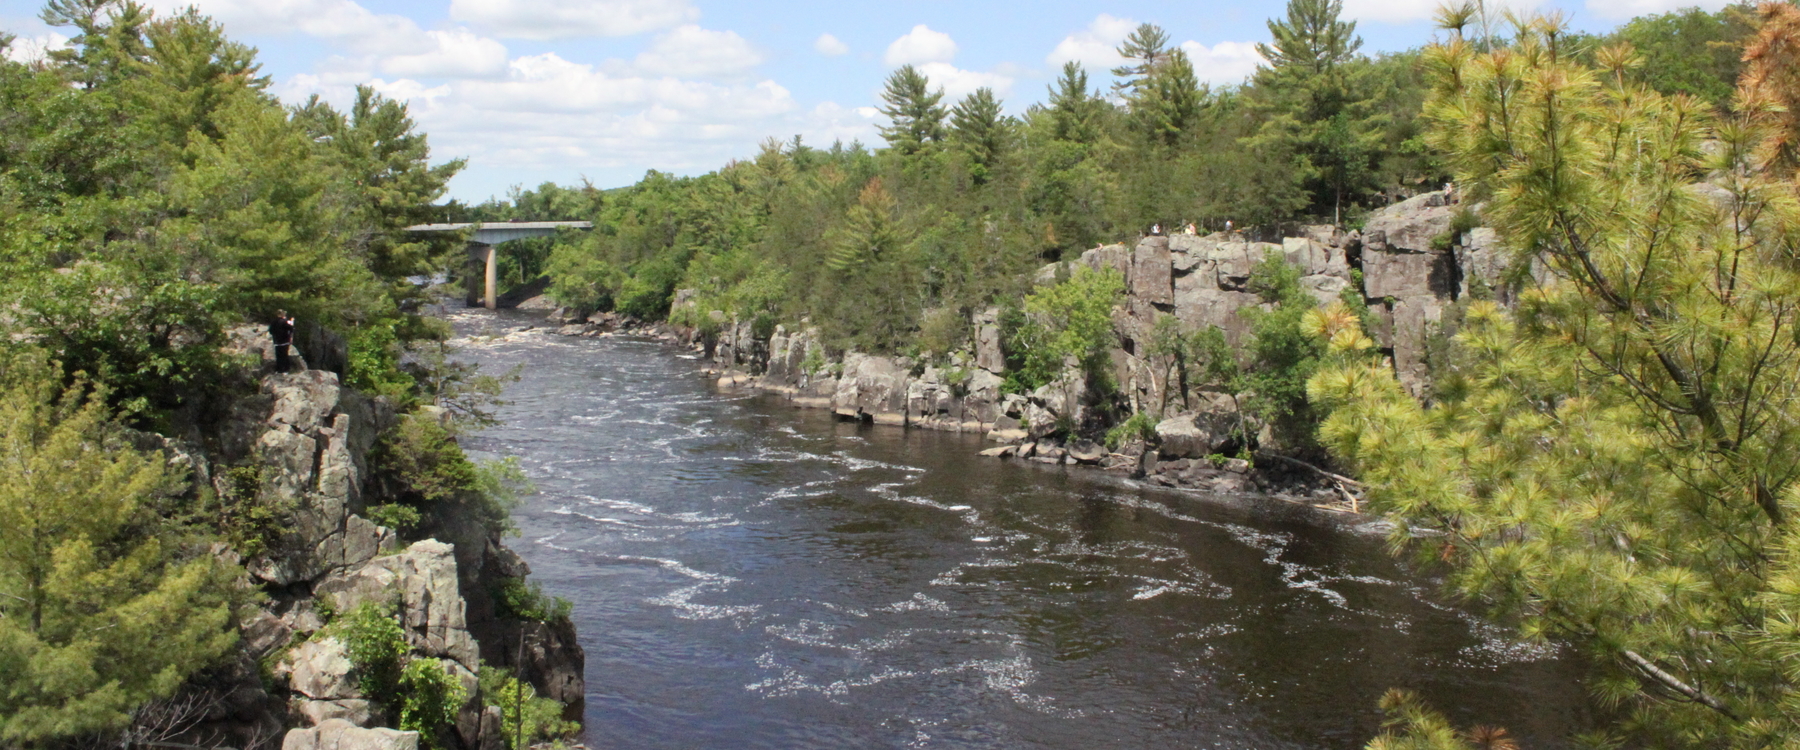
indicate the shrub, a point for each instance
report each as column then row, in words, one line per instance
column 429, row 700
column 523, row 714
column 527, row 601
column 376, row 645
column 397, row 516
column 1140, row 425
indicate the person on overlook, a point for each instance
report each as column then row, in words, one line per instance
column 281, row 333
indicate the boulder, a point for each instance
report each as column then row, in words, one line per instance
column 1086, row 451
column 1152, row 272
column 302, row 400
column 423, row 579
column 1401, row 274
column 1115, row 257
column 872, row 387
column 1411, row 225
column 1324, row 288
column 354, row 710
column 320, row 669
column 1206, row 431
column 338, row 734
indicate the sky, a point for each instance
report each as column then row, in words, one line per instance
column 534, row 91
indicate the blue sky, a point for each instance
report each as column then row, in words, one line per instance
column 560, row 90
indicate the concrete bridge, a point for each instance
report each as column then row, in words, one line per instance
column 489, row 234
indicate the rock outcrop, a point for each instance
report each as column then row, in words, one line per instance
column 338, row 734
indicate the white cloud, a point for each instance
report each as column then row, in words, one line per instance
column 1223, row 63
column 458, row 54
column 342, row 22
column 958, row 83
column 691, row 51
column 921, row 45
column 34, row 49
column 1402, row 11
column 1095, row 47
column 557, row 19
column 1619, row 10
column 829, row 46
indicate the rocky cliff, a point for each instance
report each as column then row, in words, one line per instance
column 1411, row 262
column 307, row 442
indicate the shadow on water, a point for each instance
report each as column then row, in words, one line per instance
column 748, row 575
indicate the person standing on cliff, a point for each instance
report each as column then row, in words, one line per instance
column 281, row 332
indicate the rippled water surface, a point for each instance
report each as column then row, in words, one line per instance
column 748, row 575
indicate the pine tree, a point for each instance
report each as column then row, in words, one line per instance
column 980, row 131
column 1075, row 111
column 1615, row 463
column 915, row 115
column 1316, row 103
column 109, row 38
column 1145, row 48
column 1165, row 104
column 100, row 611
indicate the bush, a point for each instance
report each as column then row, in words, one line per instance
column 376, row 645
column 1140, row 425
column 396, row 516
column 429, row 700
column 374, row 366
column 527, row 601
column 523, row 714
column 1072, row 318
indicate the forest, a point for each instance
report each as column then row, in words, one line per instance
column 1610, row 462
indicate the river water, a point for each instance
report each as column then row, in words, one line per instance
column 749, row 575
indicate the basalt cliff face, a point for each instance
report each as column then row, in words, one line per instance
column 308, row 442
column 1410, row 264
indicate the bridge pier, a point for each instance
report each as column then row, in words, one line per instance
column 483, row 264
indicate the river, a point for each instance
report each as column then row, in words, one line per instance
column 749, row 575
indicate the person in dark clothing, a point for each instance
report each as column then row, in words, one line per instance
column 282, row 333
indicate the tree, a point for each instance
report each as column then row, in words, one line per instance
column 1315, row 102
column 980, row 131
column 1075, row 112
column 1145, row 48
column 915, row 116
column 1166, row 103
column 108, row 42
column 1617, row 465
column 101, row 610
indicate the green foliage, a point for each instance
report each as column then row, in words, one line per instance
column 1283, row 354
column 1190, row 360
column 103, row 609
column 523, row 714
column 429, row 700
column 467, row 396
column 913, row 110
column 397, row 516
column 1069, row 320
column 242, row 515
column 374, row 366
column 1617, row 468
column 377, row 647
column 424, row 461
column 1411, row 725
column 513, row 597
column 1140, row 426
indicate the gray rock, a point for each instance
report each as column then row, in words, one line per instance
column 1115, row 257
column 354, row 710
column 1087, row 451
column 1208, row 430
column 320, row 669
column 872, row 386
column 1152, row 272
column 1410, row 225
column 338, row 734
column 287, row 464
column 1402, row 274
column 424, row 580
column 303, row 400
column 988, row 354
column 1326, row 289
